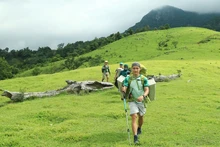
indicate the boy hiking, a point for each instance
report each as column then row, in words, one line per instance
column 105, row 71
column 138, row 90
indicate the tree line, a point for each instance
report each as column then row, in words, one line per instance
column 13, row 61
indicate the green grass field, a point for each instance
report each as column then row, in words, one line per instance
column 186, row 112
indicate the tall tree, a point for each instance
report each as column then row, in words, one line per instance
column 6, row 69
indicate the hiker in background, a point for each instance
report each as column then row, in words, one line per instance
column 125, row 72
column 138, row 91
column 117, row 73
column 105, row 71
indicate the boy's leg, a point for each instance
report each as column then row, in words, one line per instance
column 140, row 123
column 140, row 120
column 134, row 123
column 133, row 112
column 134, row 128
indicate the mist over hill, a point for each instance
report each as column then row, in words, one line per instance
column 176, row 17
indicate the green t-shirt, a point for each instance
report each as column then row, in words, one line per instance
column 136, row 86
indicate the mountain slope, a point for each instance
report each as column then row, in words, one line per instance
column 176, row 17
column 185, row 43
column 191, row 44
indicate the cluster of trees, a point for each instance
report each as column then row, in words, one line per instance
column 16, row 61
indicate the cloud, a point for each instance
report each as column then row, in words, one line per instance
column 39, row 23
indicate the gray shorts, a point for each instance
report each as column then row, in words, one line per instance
column 137, row 108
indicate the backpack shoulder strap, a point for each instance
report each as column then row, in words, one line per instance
column 142, row 80
column 130, row 79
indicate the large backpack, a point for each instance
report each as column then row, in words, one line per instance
column 143, row 70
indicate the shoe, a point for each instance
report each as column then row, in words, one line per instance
column 138, row 131
column 136, row 141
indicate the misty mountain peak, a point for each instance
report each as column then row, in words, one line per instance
column 167, row 8
column 176, row 17
column 165, row 12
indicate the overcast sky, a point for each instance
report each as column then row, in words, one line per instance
column 40, row 23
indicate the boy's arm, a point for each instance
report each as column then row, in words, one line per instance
column 146, row 87
column 146, row 91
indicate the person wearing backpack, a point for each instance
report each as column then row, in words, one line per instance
column 136, row 89
column 105, row 71
column 125, row 72
column 117, row 73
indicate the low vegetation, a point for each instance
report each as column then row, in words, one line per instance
column 185, row 113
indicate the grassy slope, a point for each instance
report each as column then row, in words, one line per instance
column 185, row 113
column 144, row 46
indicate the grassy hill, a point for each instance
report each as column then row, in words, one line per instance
column 185, row 113
column 192, row 44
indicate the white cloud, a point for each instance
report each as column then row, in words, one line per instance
column 37, row 23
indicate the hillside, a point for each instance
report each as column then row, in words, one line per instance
column 185, row 112
column 185, row 43
column 176, row 17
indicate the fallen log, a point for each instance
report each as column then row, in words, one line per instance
column 72, row 87
column 163, row 78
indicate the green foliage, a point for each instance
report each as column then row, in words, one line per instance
column 74, row 63
column 130, row 32
column 69, row 63
column 60, row 46
column 164, row 27
column 36, row 71
column 175, row 43
column 162, row 44
column 118, row 36
column 97, row 60
column 6, row 69
column 209, row 38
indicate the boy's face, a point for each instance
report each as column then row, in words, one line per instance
column 136, row 70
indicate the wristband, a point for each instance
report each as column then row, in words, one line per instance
column 144, row 97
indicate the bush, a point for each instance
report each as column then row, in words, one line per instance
column 6, row 69
column 36, row 71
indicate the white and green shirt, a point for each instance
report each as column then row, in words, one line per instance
column 136, row 87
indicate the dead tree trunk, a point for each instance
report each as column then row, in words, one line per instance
column 72, row 87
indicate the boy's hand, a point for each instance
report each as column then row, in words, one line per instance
column 140, row 98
